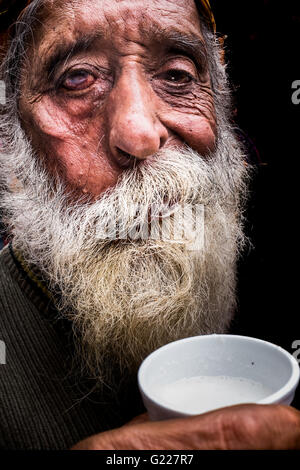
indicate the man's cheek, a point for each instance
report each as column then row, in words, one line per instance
column 56, row 121
column 72, row 147
column 61, row 144
column 64, row 157
column 61, row 136
column 81, row 167
column 61, row 119
column 198, row 132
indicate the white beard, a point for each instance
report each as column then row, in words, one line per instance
column 127, row 298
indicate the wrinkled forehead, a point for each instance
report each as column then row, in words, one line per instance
column 113, row 19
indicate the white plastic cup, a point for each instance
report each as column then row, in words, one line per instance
column 217, row 355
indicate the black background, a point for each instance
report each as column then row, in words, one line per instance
column 263, row 52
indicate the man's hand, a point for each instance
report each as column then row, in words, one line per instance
column 247, row 427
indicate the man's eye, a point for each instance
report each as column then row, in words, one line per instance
column 79, row 80
column 180, row 77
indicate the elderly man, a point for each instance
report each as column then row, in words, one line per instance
column 116, row 104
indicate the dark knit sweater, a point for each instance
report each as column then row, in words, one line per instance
column 43, row 404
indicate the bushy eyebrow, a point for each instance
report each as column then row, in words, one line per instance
column 187, row 43
column 65, row 51
column 169, row 40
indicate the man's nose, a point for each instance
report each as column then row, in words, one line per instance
column 135, row 128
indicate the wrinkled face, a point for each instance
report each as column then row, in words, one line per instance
column 108, row 83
